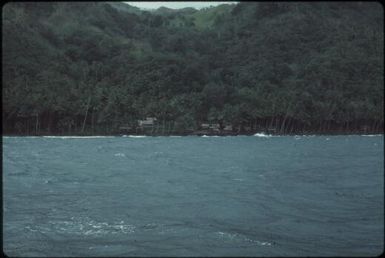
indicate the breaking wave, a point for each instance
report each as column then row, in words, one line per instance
column 263, row 135
column 81, row 137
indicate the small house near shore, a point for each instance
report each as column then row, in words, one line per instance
column 210, row 126
column 148, row 122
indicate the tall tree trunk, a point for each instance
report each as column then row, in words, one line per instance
column 49, row 121
column 168, row 127
column 172, row 126
column 377, row 127
column 282, row 129
column 292, row 126
column 85, row 117
column 37, row 123
column 271, row 122
column 92, row 120
column 287, row 125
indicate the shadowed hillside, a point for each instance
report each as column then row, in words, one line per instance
column 91, row 68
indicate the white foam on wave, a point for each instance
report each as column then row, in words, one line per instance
column 78, row 137
column 135, row 136
column 18, row 137
column 372, row 135
column 84, row 226
column 119, row 154
column 235, row 236
column 263, row 135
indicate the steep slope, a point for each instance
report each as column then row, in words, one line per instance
column 91, row 67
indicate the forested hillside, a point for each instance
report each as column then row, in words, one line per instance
column 90, row 68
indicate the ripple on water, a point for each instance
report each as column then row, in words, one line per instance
column 83, row 226
column 235, row 237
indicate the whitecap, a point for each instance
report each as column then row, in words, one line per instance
column 31, row 229
column 233, row 236
column 77, row 137
column 263, row 243
column 134, row 136
column 88, row 226
column 371, row 135
column 9, row 137
column 263, row 135
column 120, row 154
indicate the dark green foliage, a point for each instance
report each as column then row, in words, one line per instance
column 87, row 67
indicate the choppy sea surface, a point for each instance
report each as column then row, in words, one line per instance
column 193, row 196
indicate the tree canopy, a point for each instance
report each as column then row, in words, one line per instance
column 91, row 67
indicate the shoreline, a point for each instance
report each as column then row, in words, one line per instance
column 262, row 135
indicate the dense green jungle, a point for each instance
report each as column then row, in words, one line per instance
column 96, row 68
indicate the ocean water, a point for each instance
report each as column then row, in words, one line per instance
column 193, row 196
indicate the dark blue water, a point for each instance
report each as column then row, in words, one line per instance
column 194, row 196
